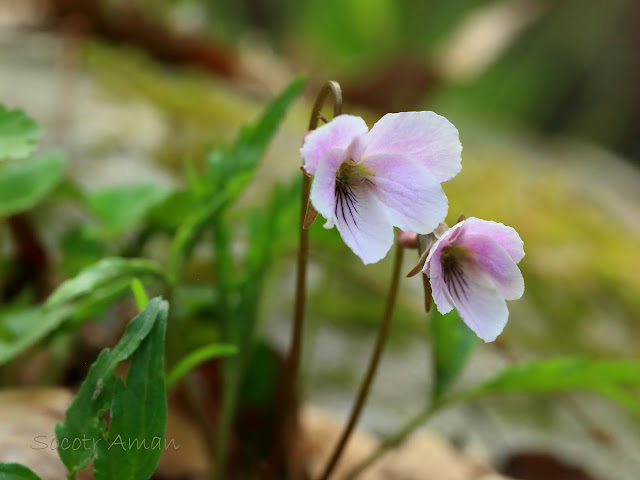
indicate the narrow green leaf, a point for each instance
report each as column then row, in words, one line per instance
column 135, row 440
column 121, row 207
column 18, row 134
column 103, row 274
column 189, row 233
column 21, row 329
column 197, row 357
column 232, row 170
column 229, row 173
column 15, row 471
column 23, row 184
column 139, row 293
column 452, row 343
column 606, row 377
column 84, row 420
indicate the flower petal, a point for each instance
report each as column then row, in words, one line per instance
column 480, row 305
column 413, row 197
column 433, row 270
column 362, row 221
column 497, row 263
column 345, row 133
column 424, row 136
column 507, row 237
column 323, row 188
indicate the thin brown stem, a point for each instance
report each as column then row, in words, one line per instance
column 363, row 393
column 292, row 360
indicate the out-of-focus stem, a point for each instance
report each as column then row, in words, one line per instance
column 363, row 393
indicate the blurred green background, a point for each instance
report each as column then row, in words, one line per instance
column 545, row 94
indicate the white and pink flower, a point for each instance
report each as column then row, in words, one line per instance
column 366, row 182
column 473, row 268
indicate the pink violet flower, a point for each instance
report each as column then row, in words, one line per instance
column 473, row 268
column 366, row 182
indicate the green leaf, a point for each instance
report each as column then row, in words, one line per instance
column 606, row 377
column 232, row 170
column 169, row 214
column 18, row 134
column 84, row 418
column 15, row 471
column 21, row 329
column 197, row 357
column 106, row 273
column 79, row 249
column 139, row 293
column 135, row 440
column 229, row 173
column 452, row 344
column 25, row 183
column 122, row 207
column 189, row 233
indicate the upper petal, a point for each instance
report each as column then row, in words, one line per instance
column 424, row 136
column 507, row 237
column 413, row 196
column 491, row 257
column 345, row 133
column 362, row 222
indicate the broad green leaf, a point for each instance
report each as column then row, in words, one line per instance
column 105, row 273
column 21, row 329
column 195, row 358
column 18, row 134
column 607, row 377
column 15, row 471
column 122, row 207
column 135, row 440
column 23, row 184
column 84, row 418
column 452, row 343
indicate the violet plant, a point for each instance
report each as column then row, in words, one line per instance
column 365, row 183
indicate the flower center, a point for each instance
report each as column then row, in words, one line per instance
column 351, row 172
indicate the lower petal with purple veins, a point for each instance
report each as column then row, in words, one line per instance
column 362, row 221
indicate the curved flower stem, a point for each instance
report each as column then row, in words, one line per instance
column 373, row 365
column 392, row 441
column 292, row 360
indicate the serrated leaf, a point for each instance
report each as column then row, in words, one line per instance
column 135, row 440
column 15, row 471
column 23, row 184
column 452, row 343
column 18, row 134
column 122, row 207
column 606, row 377
column 102, row 275
column 21, row 329
column 84, row 417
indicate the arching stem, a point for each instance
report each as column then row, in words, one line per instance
column 307, row 215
